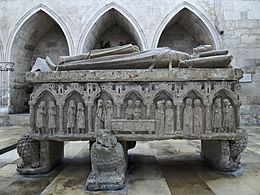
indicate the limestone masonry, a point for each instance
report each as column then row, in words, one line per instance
column 31, row 29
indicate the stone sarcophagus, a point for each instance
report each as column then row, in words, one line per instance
column 118, row 106
column 136, row 105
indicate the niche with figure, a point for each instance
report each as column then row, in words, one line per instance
column 193, row 114
column 223, row 113
column 104, row 111
column 46, row 114
column 133, row 107
column 75, row 112
column 164, row 113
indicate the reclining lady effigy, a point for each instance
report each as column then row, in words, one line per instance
column 121, row 95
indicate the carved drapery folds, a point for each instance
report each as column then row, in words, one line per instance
column 190, row 109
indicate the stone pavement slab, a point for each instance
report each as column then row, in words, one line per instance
column 158, row 167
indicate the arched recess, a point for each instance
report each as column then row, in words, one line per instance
column 111, row 24
column 37, row 34
column 184, row 28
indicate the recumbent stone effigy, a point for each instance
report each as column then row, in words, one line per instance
column 121, row 95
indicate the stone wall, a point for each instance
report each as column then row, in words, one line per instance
column 229, row 24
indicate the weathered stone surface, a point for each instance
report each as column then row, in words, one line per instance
column 38, row 156
column 108, row 161
column 225, row 155
column 132, row 105
column 130, row 57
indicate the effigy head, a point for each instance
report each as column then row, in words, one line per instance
column 106, row 138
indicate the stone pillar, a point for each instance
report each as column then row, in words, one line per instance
column 61, row 130
column 148, row 111
column 118, row 110
column 90, row 129
column 178, row 117
column 207, row 119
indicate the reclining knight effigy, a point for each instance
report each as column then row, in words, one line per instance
column 121, row 95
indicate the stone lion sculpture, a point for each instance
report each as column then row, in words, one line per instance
column 29, row 151
column 108, row 163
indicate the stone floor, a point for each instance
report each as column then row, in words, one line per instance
column 165, row 167
column 10, row 135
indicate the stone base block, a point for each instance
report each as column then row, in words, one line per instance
column 38, row 157
column 108, row 163
column 224, row 155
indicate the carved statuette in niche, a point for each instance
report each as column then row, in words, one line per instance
column 198, row 115
column 137, row 110
column 52, row 118
column 169, row 118
column 160, row 115
column 217, row 116
column 188, row 117
column 81, row 124
column 41, row 118
column 129, row 112
column 100, row 115
column 109, row 114
column 71, row 116
column 228, row 116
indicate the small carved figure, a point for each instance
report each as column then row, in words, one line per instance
column 137, row 110
column 129, row 112
column 198, row 116
column 228, row 116
column 160, row 115
column 29, row 151
column 40, row 117
column 169, row 118
column 217, row 116
column 188, row 116
column 52, row 118
column 71, row 116
column 100, row 115
column 81, row 124
column 108, row 163
column 109, row 115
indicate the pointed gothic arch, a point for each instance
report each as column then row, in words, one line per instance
column 112, row 21
column 186, row 27
column 40, row 32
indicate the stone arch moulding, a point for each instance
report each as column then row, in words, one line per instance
column 28, row 15
column 185, row 5
column 98, row 15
